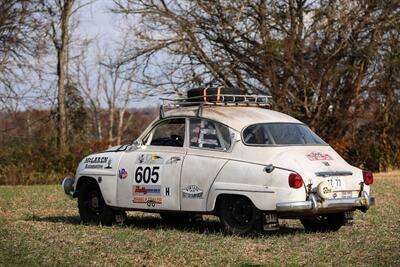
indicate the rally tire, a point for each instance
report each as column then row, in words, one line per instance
column 92, row 207
column 239, row 216
column 324, row 223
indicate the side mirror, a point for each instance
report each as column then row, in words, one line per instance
column 137, row 142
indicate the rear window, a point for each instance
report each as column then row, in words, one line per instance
column 280, row 134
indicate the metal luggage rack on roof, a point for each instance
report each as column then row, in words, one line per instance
column 219, row 100
column 215, row 100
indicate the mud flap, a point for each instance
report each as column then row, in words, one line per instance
column 271, row 222
column 348, row 218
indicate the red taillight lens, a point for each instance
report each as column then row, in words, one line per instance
column 295, row 180
column 368, row 177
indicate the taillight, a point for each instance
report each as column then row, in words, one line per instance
column 368, row 177
column 295, row 180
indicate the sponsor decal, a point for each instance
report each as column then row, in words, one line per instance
column 93, row 166
column 149, row 190
column 192, row 191
column 167, row 191
column 318, row 156
column 149, row 159
column 122, row 173
column 147, row 174
column 149, row 201
column 108, row 164
column 95, row 162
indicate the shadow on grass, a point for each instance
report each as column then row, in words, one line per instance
column 207, row 226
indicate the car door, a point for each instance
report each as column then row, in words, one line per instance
column 209, row 146
column 149, row 177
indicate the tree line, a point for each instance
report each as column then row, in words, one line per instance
column 332, row 64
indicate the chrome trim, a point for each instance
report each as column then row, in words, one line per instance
column 314, row 206
column 245, row 190
column 334, row 173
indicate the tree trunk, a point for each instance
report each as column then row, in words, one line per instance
column 111, row 125
column 120, row 124
column 61, row 65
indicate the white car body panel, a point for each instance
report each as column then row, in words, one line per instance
column 191, row 179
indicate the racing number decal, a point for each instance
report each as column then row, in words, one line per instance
column 147, row 174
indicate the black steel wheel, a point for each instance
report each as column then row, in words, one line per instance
column 324, row 223
column 91, row 205
column 239, row 216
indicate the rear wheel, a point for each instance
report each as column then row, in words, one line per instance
column 239, row 216
column 324, row 223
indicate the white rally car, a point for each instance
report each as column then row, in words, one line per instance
column 226, row 155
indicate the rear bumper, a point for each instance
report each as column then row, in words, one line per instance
column 68, row 186
column 330, row 205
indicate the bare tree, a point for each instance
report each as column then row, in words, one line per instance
column 21, row 43
column 88, row 75
column 313, row 57
column 60, row 13
column 118, row 92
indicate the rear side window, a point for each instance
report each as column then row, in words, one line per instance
column 209, row 134
column 280, row 134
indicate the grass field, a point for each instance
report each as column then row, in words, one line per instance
column 39, row 225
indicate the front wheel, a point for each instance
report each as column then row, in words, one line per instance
column 239, row 216
column 324, row 223
column 93, row 209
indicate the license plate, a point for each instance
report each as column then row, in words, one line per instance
column 336, row 182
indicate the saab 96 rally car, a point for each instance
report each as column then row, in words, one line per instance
column 227, row 155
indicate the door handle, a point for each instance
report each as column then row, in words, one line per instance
column 174, row 160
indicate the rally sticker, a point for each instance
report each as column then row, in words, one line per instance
column 192, row 191
column 122, row 173
column 149, row 201
column 149, row 159
column 149, row 190
column 318, row 156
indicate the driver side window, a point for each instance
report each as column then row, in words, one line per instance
column 169, row 133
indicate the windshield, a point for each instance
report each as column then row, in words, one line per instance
column 280, row 134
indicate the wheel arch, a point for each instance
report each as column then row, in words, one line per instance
column 218, row 199
column 83, row 179
column 261, row 200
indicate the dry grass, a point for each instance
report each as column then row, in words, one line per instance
column 41, row 226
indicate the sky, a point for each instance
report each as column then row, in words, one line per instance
column 97, row 20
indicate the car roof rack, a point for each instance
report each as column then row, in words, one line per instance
column 225, row 100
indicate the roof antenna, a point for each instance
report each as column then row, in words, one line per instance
column 162, row 115
column 199, row 112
